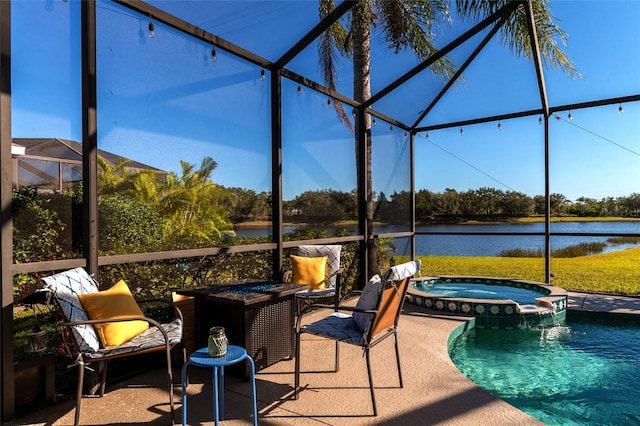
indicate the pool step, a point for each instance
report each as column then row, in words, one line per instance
column 537, row 308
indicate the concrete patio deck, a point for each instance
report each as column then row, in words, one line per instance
column 434, row 391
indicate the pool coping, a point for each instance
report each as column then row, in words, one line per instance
column 495, row 313
column 603, row 307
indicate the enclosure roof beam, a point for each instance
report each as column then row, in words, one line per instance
column 192, row 30
column 322, row 26
column 479, row 120
column 535, row 52
column 552, row 110
column 591, row 104
column 460, row 70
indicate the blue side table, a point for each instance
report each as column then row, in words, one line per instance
column 201, row 358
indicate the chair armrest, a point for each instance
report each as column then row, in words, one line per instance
column 309, row 309
column 350, row 294
column 151, row 321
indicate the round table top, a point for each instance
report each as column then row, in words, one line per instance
column 234, row 354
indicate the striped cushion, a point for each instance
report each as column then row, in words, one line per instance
column 150, row 338
column 65, row 287
column 337, row 326
column 402, row 271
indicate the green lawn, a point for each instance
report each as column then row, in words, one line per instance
column 577, row 219
column 616, row 272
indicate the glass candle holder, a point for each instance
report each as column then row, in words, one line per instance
column 217, row 342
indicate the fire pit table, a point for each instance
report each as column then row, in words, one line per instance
column 258, row 316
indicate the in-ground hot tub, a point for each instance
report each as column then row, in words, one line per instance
column 494, row 302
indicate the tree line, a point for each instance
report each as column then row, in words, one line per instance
column 330, row 205
column 144, row 211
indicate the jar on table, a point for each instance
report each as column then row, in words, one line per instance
column 217, row 342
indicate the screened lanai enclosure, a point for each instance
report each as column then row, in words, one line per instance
column 184, row 143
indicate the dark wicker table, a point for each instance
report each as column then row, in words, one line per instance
column 259, row 316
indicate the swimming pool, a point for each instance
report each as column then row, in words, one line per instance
column 480, row 290
column 494, row 302
column 577, row 373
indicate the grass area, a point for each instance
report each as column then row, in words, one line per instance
column 532, row 219
column 540, row 219
column 615, row 272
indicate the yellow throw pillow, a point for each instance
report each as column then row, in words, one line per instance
column 116, row 302
column 309, row 271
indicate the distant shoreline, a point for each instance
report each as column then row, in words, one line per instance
column 258, row 224
column 266, row 224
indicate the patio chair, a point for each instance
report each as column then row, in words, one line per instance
column 322, row 277
column 374, row 318
column 119, row 328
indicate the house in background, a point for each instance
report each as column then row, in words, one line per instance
column 53, row 164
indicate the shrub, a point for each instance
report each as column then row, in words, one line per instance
column 127, row 225
column 582, row 249
column 38, row 231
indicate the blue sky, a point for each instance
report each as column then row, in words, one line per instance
column 161, row 101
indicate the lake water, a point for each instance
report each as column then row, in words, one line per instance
column 493, row 245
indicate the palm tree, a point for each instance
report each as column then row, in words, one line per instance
column 194, row 208
column 194, row 205
column 408, row 24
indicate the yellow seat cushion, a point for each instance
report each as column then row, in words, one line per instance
column 309, row 271
column 116, row 302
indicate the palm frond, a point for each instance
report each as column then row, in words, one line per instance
column 515, row 32
column 410, row 24
column 333, row 41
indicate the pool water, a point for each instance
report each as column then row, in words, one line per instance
column 578, row 373
column 480, row 291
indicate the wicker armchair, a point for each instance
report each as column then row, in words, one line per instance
column 67, row 288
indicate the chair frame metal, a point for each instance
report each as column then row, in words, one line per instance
column 310, row 298
column 382, row 326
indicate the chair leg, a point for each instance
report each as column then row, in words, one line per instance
column 337, row 364
column 170, row 377
column 395, row 340
column 174, row 359
column 373, row 396
column 76, row 420
column 184, row 392
column 296, row 382
column 103, row 377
